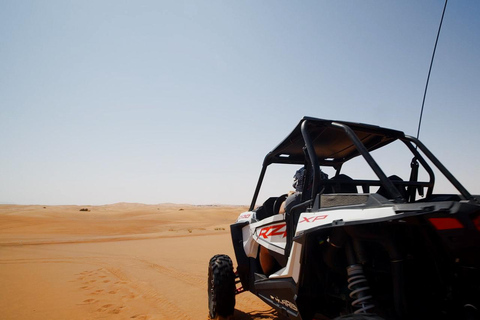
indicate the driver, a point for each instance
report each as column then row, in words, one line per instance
column 267, row 261
column 294, row 197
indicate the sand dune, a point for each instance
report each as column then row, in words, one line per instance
column 122, row 261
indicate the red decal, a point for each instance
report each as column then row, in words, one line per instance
column 313, row 219
column 263, row 232
column 275, row 230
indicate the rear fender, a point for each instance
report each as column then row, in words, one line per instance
column 313, row 220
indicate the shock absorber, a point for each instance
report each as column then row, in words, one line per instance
column 358, row 284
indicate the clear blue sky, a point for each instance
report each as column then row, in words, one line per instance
column 179, row 101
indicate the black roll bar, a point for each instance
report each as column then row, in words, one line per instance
column 442, row 168
column 384, row 180
column 425, row 165
column 389, row 186
column 259, row 184
column 312, row 155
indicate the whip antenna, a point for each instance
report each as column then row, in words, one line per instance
column 430, row 69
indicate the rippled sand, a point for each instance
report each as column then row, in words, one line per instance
column 121, row 261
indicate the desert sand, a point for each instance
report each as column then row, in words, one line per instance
column 120, row 261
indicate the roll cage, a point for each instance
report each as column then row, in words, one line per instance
column 318, row 142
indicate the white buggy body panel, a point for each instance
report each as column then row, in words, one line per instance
column 271, row 232
column 309, row 220
column 292, row 269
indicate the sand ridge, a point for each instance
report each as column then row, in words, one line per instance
column 121, row 261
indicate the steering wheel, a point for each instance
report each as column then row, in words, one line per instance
column 278, row 203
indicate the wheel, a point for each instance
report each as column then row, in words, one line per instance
column 221, row 286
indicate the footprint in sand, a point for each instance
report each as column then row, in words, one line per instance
column 129, row 296
column 107, row 307
column 90, row 301
column 96, row 292
column 116, row 310
column 104, row 307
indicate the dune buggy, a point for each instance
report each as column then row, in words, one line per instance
column 386, row 247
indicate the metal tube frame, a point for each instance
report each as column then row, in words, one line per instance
column 387, row 183
column 442, row 168
column 389, row 186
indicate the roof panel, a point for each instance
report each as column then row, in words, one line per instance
column 331, row 143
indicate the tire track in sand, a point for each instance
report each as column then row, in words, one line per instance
column 184, row 277
column 246, row 301
column 158, row 301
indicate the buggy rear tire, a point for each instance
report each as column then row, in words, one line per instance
column 221, row 287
